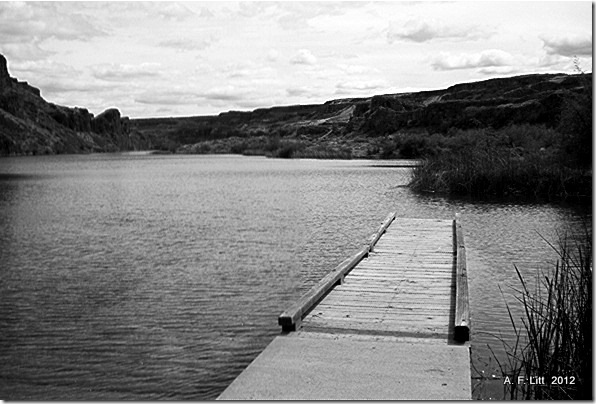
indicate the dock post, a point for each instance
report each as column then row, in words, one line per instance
column 462, row 303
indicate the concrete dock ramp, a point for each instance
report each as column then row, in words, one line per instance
column 312, row 366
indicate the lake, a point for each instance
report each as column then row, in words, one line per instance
column 146, row 277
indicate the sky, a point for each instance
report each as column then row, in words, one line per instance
column 158, row 59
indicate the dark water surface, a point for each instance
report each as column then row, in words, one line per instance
column 132, row 276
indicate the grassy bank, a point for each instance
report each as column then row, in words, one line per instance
column 273, row 147
column 526, row 162
column 554, row 339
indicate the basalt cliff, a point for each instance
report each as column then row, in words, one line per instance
column 30, row 125
column 344, row 128
column 358, row 127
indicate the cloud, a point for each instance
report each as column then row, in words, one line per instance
column 186, row 44
column 246, row 68
column 564, row 63
column 360, row 86
column 294, row 15
column 547, row 60
column 171, row 11
column 24, row 27
column 272, row 55
column 224, row 93
column 24, row 51
column 357, row 69
column 206, row 13
column 417, row 30
column 486, row 58
column 303, row 57
column 291, row 22
column 46, row 68
column 499, row 70
column 167, row 97
column 568, row 45
column 21, row 21
column 300, row 91
column 66, row 85
column 121, row 72
column 231, row 96
column 255, row 103
column 54, row 78
column 251, row 9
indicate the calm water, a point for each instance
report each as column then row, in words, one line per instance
column 142, row 277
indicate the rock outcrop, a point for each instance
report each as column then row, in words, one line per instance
column 535, row 99
column 31, row 125
column 532, row 99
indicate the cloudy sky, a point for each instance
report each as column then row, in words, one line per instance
column 180, row 59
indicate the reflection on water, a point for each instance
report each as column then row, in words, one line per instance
column 152, row 277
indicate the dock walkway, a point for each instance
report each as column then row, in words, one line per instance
column 389, row 323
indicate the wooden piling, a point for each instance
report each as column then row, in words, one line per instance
column 462, row 303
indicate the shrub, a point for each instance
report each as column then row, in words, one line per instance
column 287, row 149
column 239, row 147
column 519, row 161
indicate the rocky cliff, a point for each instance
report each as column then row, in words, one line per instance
column 535, row 99
column 532, row 99
column 31, row 125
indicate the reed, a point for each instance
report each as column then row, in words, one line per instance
column 554, row 340
column 325, row 151
column 497, row 170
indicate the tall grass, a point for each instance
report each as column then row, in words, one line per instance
column 512, row 162
column 554, row 340
column 481, row 173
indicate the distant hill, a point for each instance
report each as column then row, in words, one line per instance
column 30, row 125
column 356, row 123
column 337, row 128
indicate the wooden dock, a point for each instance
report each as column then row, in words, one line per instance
column 389, row 323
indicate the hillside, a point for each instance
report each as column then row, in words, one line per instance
column 342, row 128
column 359, row 127
column 30, row 125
